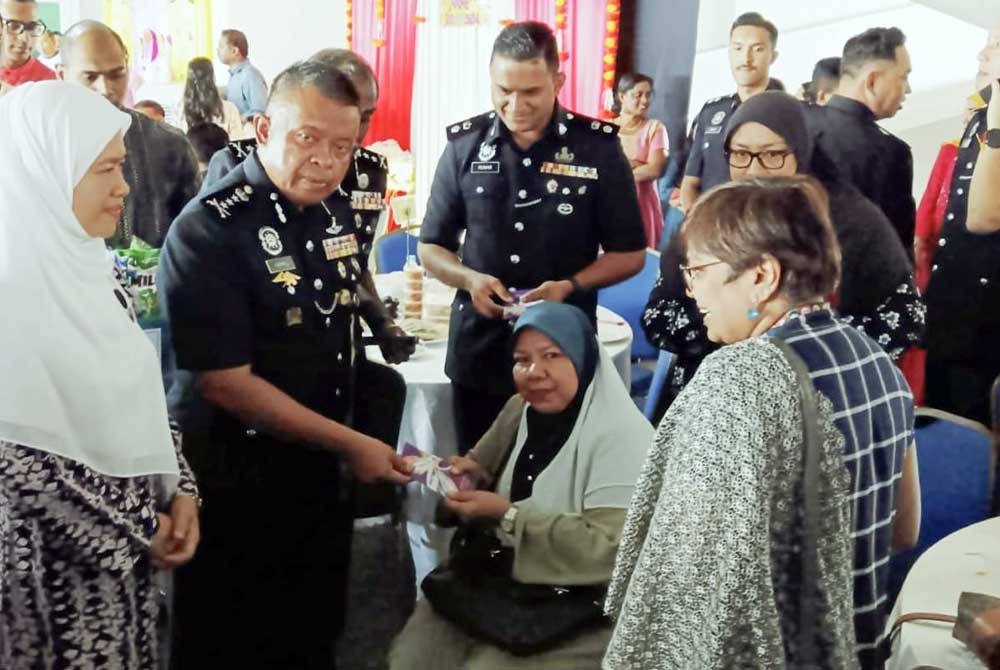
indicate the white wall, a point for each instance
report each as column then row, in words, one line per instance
column 278, row 33
column 942, row 48
column 281, row 33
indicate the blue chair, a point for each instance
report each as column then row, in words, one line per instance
column 391, row 251
column 663, row 364
column 628, row 299
column 956, row 459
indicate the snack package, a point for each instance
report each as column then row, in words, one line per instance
column 434, row 472
column 137, row 265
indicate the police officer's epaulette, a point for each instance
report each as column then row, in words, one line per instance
column 240, row 149
column 371, row 159
column 462, row 128
column 226, row 201
column 590, row 125
column 722, row 98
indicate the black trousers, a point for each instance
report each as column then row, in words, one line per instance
column 475, row 412
column 960, row 387
column 267, row 587
column 379, row 397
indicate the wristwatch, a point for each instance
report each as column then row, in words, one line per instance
column 992, row 138
column 507, row 521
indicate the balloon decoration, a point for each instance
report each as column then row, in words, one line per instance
column 349, row 9
column 560, row 21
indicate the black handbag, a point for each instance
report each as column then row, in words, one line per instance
column 474, row 590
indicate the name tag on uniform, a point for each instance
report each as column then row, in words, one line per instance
column 280, row 264
column 366, row 200
column 713, row 130
column 485, row 167
column 578, row 171
column 339, row 247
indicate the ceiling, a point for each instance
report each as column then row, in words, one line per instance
column 983, row 13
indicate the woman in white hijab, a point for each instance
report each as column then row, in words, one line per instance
column 87, row 459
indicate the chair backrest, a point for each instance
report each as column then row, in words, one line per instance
column 956, row 460
column 391, row 251
column 628, row 299
column 663, row 364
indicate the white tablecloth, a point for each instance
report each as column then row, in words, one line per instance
column 429, row 423
column 967, row 560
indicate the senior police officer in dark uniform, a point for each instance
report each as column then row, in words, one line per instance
column 537, row 190
column 963, row 297
column 752, row 50
column 259, row 279
column 874, row 81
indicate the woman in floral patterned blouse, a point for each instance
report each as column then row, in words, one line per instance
column 93, row 491
column 875, row 292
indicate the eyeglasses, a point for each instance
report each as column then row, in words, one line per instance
column 692, row 271
column 34, row 28
column 769, row 160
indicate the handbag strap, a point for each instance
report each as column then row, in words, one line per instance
column 812, row 444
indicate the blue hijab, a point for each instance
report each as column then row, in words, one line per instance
column 570, row 330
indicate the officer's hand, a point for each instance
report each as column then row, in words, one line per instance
column 396, row 345
column 993, row 111
column 553, row 291
column 482, row 288
column 372, row 460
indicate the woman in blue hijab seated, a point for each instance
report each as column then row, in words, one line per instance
column 555, row 474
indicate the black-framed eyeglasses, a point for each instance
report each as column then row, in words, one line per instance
column 769, row 160
column 33, row 28
column 691, row 271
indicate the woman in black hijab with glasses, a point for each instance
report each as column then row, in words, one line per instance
column 767, row 137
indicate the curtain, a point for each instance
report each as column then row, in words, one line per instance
column 583, row 41
column 393, row 63
column 451, row 81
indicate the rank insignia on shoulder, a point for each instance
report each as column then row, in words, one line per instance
column 225, row 203
column 467, row 126
column 240, row 149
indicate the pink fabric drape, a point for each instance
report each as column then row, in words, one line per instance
column 583, row 40
column 393, row 63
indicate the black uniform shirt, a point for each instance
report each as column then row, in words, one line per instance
column 365, row 182
column 247, row 278
column 707, row 160
column 963, row 297
column 864, row 154
column 529, row 216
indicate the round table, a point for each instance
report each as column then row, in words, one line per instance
column 429, row 420
column 966, row 560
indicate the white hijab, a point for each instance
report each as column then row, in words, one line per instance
column 78, row 378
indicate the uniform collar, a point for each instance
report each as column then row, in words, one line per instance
column 557, row 127
column 853, row 107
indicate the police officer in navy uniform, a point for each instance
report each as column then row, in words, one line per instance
column 752, row 44
column 259, row 280
column 874, row 81
column 963, row 296
column 537, row 190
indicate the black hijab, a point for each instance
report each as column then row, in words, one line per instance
column 874, row 263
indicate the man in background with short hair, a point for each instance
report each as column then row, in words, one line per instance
column 874, row 81
column 160, row 167
column 825, row 80
column 247, row 88
column 20, row 29
column 753, row 41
